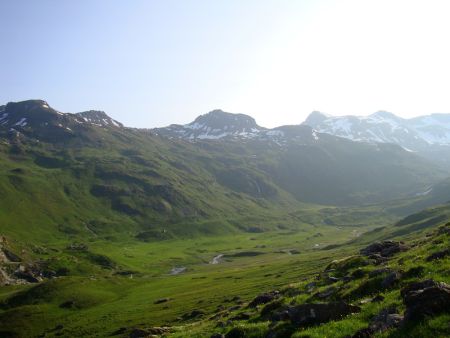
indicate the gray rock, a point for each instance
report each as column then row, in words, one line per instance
column 384, row 249
column 312, row 314
column 427, row 298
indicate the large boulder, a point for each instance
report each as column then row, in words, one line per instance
column 313, row 314
column 384, row 249
column 384, row 320
column 426, row 298
column 264, row 298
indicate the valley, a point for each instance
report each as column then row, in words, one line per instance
column 114, row 231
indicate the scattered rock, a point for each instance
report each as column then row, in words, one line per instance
column 241, row 316
column 347, row 279
column 358, row 273
column 217, row 335
column 158, row 330
column 264, row 298
column 377, row 259
column 416, row 272
column 177, row 270
column 193, row 314
column 386, row 319
column 270, row 309
column 342, row 266
column 161, row 300
column 310, row 286
column 27, row 276
column 149, row 332
column 333, row 279
column 125, row 273
column 425, row 298
column 234, row 308
column 137, row 333
column 445, row 229
column 77, row 247
column 438, row 255
column 312, row 314
column 377, row 272
column 364, row 301
column 236, row 332
column 377, row 299
column 417, row 286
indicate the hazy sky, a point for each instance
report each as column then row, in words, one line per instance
column 152, row 63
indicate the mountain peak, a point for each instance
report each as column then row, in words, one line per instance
column 99, row 118
column 29, row 106
column 316, row 117
column 216, row 124
column 37, row 119
column 218, row 119
column 385, row 115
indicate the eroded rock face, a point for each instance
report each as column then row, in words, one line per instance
column 384, row 249
column 312, row 314
column 426, row 298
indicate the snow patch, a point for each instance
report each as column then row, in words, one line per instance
column 22, row 122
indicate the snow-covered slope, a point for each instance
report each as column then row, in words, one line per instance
column 428, row 135
column 385, row 127
column 435, row 128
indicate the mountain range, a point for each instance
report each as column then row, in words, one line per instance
column 295, row 163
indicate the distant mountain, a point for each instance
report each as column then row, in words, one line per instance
column 37, row 113
column 313, row 166
column 220, row 164
column 216, row 124
column 427, row 135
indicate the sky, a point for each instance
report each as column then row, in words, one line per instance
column 153, row 63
